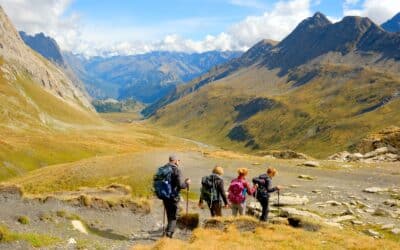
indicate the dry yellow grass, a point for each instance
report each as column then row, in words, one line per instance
column 274, row 237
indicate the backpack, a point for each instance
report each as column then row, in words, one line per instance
column 209, row 191
column 262, row 193
column 162, row 183
column 236, row 192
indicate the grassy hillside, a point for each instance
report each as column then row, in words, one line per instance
column 338, row 106
column 274, row 237
column 39, row 129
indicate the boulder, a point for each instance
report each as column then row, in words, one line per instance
column 287, row 154
column 334, row 203
column 395, row 231
column 374, row 190
column 341, row 156
column 342, row 218
column 392, row 203
column 381, row 212
column 357, row 222
column 313, row 164
column 286, row 200
column 372, row 233
column 295, row 217
column 293, row 212
column 305, row 177
column 387, row 226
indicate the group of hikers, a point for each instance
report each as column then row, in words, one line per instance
column 168, row 183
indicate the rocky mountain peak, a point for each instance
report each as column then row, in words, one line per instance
column 392, row 25
column 317, row 20
column 44, row 45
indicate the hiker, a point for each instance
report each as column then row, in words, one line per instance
column 264, row 188
column 213, row 192
column 167, row 186
column 238, row 189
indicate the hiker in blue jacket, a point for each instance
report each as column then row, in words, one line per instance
column 168, row 184
column 264, row 188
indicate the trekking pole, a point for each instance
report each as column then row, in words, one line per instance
column 163, row 223
column 187, row 200
column 279, row 205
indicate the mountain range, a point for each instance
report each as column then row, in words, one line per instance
column 145, row 77
column 319, row 90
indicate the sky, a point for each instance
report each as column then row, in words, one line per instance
column 124, row 27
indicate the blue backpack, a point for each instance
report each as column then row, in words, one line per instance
column 162, row 183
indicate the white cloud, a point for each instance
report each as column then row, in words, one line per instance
column 378, row 10
column 48, row 16
column 72, row 35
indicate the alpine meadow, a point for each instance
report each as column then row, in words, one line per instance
column 200, row 124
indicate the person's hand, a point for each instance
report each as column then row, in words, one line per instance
column 188, row 181
column 201, row 205
column 279, row 187
column 256, row 185
column 226, row 206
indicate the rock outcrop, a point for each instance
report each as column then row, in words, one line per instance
column 383, row 146
column 384, row 154
column 286, row 154
column 389, row 137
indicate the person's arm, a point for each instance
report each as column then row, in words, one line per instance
column 221, row 190
column 250, row 190
column 269, row 187
column 178, row 179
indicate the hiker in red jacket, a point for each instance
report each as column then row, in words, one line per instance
column 238, row 190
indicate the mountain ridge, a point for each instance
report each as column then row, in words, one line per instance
column 392, row 25
column 306, row 89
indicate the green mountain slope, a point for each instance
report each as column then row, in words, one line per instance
column 315, row 92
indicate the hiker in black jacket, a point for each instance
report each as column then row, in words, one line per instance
column 171, row 205
column 213, row 192
column 264, row 188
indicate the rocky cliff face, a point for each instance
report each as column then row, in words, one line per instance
column 21, row 60
column 44, row 45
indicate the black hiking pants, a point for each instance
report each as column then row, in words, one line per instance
column 215, row 208
column 265, row 209
column 171, row 207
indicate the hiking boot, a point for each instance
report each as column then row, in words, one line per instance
column 169, row 234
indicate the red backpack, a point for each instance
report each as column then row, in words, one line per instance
column 236, row 194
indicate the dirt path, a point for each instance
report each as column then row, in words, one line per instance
column 120, row 228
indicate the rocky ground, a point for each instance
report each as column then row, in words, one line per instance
column 365, row 197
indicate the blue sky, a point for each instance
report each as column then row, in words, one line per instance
column 105, row 27
column 203, row 16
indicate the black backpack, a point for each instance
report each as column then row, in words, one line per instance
column 262, row 192
column 209, row 191
column 162, row 183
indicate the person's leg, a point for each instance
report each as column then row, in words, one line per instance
column 234, row 209
column 263, row 216
column 171, row 208
column 241, row 208
column 212, row 211
column 218, row 209
column 265, row 210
